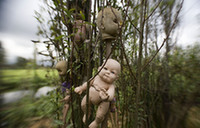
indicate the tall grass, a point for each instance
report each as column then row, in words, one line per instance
column 15, row 79
column 27, row 111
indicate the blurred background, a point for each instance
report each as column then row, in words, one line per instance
column 24, row 74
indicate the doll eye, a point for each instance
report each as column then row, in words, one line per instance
column 115, row 20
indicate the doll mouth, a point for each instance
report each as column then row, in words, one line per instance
column 106, row 76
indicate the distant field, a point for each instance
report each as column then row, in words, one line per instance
column 24, row 78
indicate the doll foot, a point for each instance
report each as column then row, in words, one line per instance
column 84, row 118
column 93, row 125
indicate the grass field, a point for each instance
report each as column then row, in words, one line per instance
column 14, row 79
column 22, row 112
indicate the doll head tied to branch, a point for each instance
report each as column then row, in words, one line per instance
column 101, row 91
column 80, row 31
column 109, row 20
column 61, row 67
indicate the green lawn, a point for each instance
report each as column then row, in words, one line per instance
column 14, row 79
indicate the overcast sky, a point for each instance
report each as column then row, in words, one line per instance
column 18, row 26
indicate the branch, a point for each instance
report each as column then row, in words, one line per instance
column 123, row 49
column 167, row 37
column 153, row 10
column 133, row 24
column 101, row 67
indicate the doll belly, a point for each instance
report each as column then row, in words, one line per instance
column 94, row 96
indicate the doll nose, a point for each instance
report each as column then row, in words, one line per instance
column 108, row 72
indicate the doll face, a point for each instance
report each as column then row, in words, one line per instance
column 61, row 67
column 80, row 34
column 109, row 23
column 110, row 71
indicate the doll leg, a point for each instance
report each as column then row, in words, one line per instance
column 100, row 114
column 65, row 109
column 84, row 107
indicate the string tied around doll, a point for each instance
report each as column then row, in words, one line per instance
column 98, row 88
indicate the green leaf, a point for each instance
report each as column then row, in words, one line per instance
column 72, row 9
column 59, row 122
column 82, row 15
column 70, row 125
column 59, row 37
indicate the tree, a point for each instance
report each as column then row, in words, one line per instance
column 2, row 55
column 145, row 83
column 21, row 62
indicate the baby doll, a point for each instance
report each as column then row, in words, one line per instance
column 101, row 91
column 80, row 34
column 61, row 67
column 109, row 23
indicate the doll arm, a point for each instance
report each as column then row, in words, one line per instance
column 103, row 95
column 111, row 93
column 81, row 88
column 107, row 95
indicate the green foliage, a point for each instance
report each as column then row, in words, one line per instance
column 2, row 55
column 22, row 113
column 21, row 62
column 158, row 95
column 15, row 79
column 186, row 70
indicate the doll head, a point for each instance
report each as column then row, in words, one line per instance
column 109, row 23
column 61, row 67
column 110, row 71
column 80, row 31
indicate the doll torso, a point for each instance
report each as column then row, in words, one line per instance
column 97, row 86
column 94, row 96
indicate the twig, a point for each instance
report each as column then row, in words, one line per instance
column 123, row 49
column 153, row 10
column 100, row 68
column 88, row 2
column 133, row 24
column 71, row 82
column 167, row 37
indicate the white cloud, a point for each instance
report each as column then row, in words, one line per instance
column 16, row 46
column 189, row 34
column 189, row 27
column 17, row 17
column 18, row 27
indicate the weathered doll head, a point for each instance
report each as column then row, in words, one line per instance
column 110, row 71
column 110, row 22
column 80, row 31
column 61, row 67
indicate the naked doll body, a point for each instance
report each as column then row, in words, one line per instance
column 101, row 91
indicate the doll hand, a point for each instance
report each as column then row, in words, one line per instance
column 103, row 95
column 78, row 90
column 66, row 99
